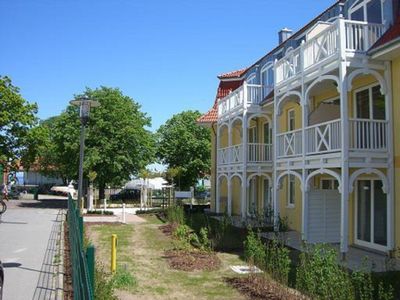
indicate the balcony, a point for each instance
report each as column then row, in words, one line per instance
column 241, row 98
column 256, row 153
column 325, row 46
column 324, row 138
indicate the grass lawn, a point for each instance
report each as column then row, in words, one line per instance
column 141, row 250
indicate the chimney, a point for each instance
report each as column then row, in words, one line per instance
column 284, row 34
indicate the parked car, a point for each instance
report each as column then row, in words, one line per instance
column 1, row 280
column 126, row 194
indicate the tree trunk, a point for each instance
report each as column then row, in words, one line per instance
column 102, row 187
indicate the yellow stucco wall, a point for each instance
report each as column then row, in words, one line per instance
column 292, row 214
column 283, row 119
column 396, row 125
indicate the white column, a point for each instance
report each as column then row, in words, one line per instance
column 390, row 170
column 304, row 207
column 243, row 206
column 275, row 130
column 344, row 115
column 229, row 204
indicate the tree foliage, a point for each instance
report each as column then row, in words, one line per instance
column 185, row 146
column 117, row 141
column 17, row 119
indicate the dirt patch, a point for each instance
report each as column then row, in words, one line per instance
column 261, row 288
column 193, row 260
column 68, row 289
column 168, row 229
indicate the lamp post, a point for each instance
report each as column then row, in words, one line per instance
column 84, row 104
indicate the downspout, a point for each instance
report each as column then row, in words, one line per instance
column 215, row 164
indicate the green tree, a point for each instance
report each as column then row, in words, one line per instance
column 18, row 140
column 118, row 144
column 185, row 146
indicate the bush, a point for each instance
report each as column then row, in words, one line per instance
column 278, row 261
column 254, row 249
column 320, row 277
column 103, row 287
column 100, row 212
column 175, row 214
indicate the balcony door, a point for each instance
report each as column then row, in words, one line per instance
column 371, row 215
column 369, row 127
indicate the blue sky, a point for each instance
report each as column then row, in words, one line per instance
column 165, row 54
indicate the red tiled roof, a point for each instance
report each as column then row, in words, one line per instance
column 233, row 74
column 390, row 35
column 224, row 89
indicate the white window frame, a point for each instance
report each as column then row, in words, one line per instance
column 252, row 198
column 270, row 132
column 371, row 101
column 363, row 4
column 265, row 69
column 252, row 131
column 251, row 77
column 289, row 118
column 291, row 202
column 364, row 243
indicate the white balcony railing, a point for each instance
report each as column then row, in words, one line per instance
column 244, row 96
column 368, row 134
column 324, row 137
column 359, row 37
column 259, row 153
column 289, row 143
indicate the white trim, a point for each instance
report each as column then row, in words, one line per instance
column 368, row 171
column 291, row 204
column 251, row 77
column 366, row 71
column 323, row 171
column 288, row 112
column 371, row 244
column 285, row 173
column 319, row 80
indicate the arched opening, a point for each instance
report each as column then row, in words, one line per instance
column 368, row 124
column 222, row 200
column 372, row 209
column 236, row 188
column 289, row 123
column 259, row 139
column 259, row 197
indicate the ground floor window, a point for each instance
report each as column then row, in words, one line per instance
column 329, row 184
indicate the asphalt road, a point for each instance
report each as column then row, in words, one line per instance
column 28, row 239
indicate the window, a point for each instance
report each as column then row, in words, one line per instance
column 291, row 120
column 252, row 135
column 251, row 79
column 267, row 79
column 291, row 190
column 367, row 11
column 370, row 104
column 329, row 184
column 267, row 134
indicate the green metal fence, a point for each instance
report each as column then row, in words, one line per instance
column 82, row 261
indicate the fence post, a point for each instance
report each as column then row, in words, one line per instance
column 113, row 253
column 80, row 223
column 90, row 254
column 123, row 213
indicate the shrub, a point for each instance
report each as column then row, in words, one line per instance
column 123, row 279
column 103, row 287
column 254, row 249
column 385, row 293
column 205, row 244
column 320, row 277
column 278, row 261
column 175, row 214
column 100, row 212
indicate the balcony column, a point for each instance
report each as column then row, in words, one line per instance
column 243, row 203
column 390, row 170
column 304, row 190
column 275, row 131
column 230, row 154
column 344, row 115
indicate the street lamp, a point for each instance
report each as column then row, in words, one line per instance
column 84, row 104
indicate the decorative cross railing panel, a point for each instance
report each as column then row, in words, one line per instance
column 289, row 143
column 324, row 137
